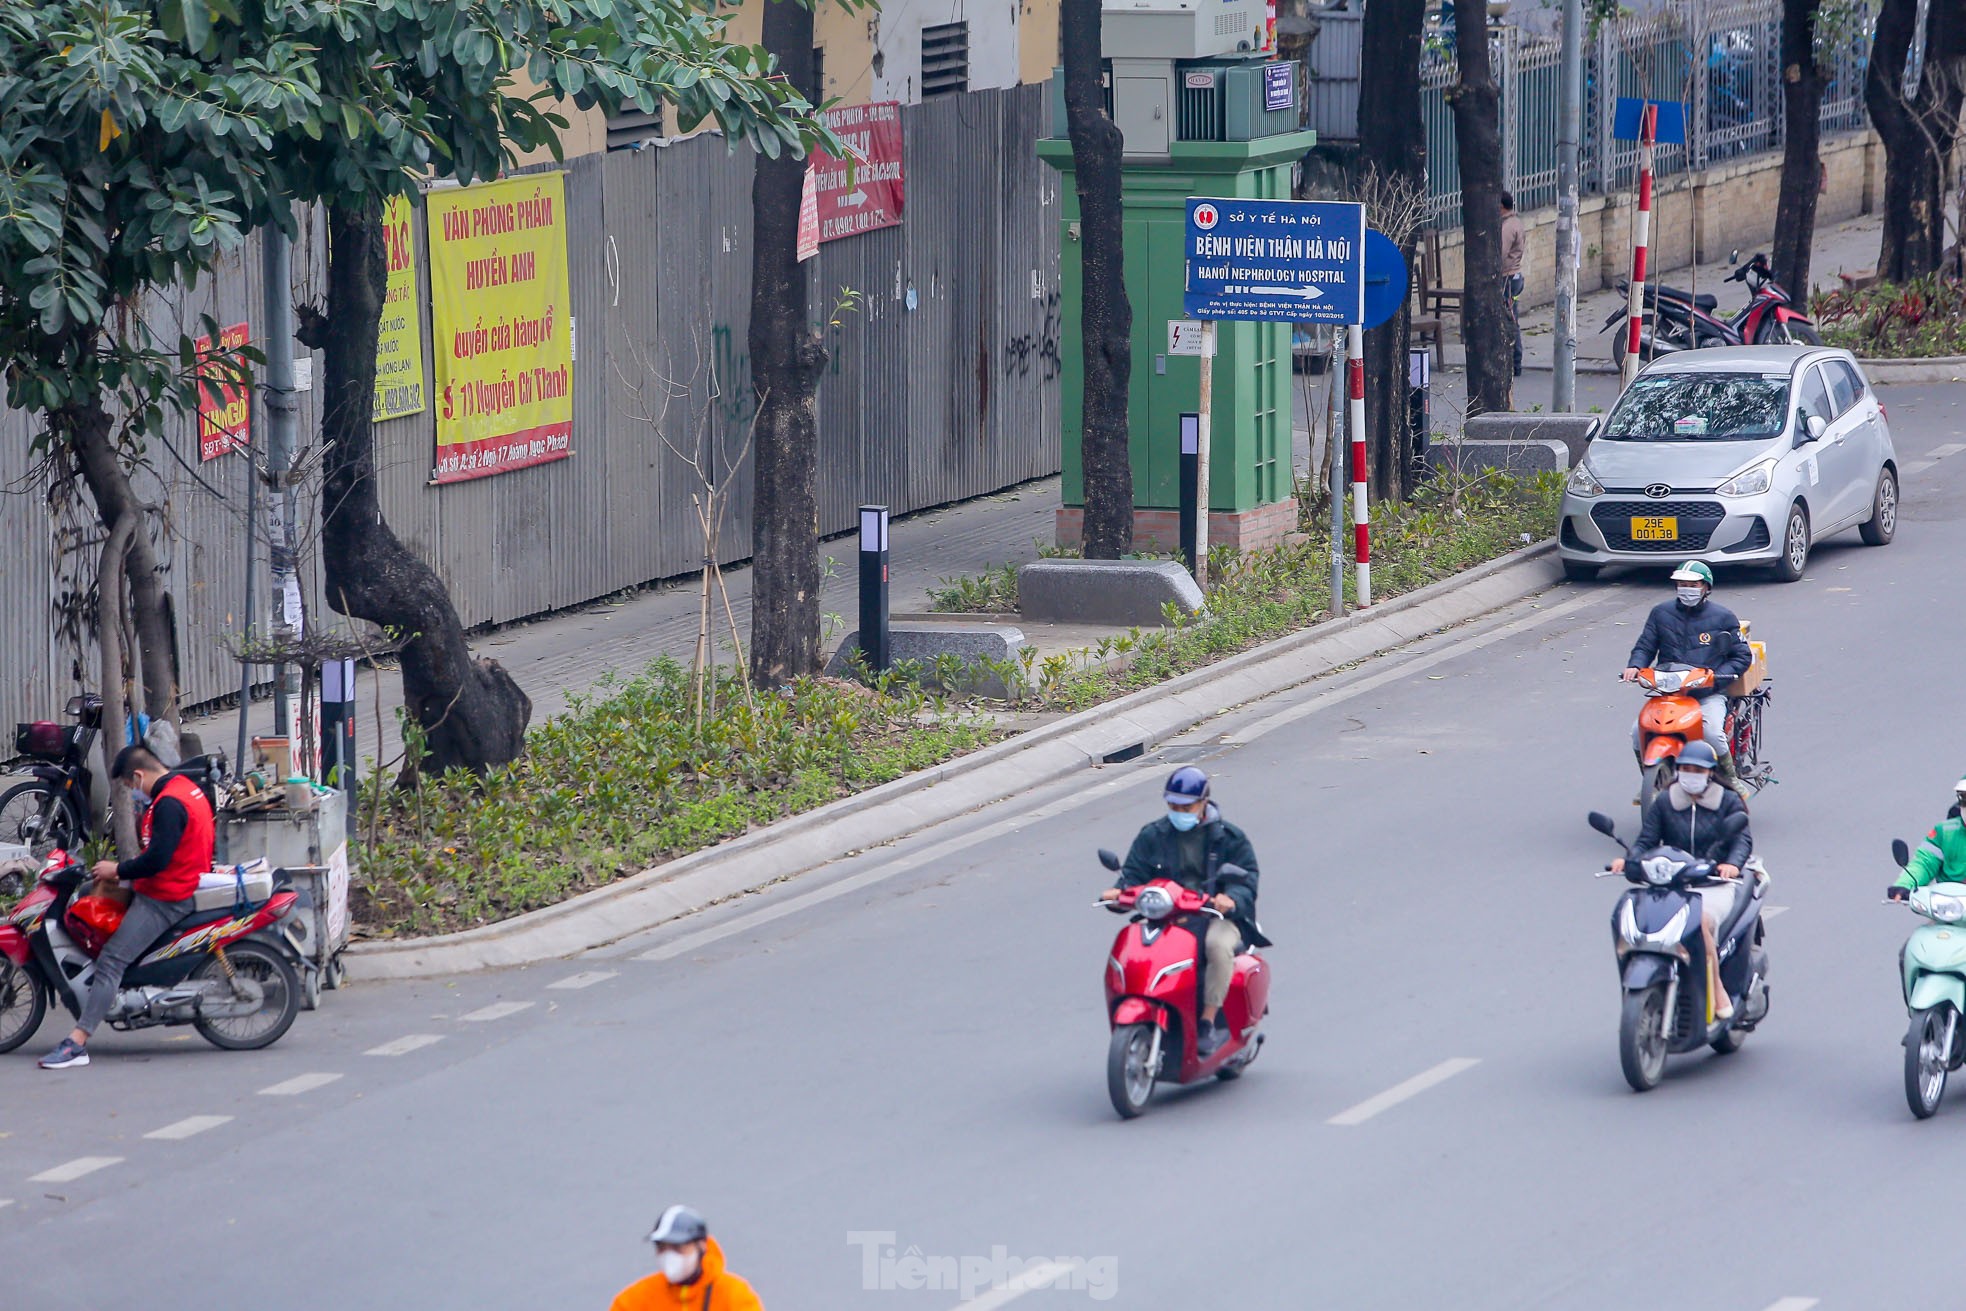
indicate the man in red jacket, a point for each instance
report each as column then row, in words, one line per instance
column 177, row 833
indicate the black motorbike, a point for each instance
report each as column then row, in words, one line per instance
column 1655, row 930
column 53, row 808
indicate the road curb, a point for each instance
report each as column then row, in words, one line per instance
column 1940, row 368
column 1118, row 729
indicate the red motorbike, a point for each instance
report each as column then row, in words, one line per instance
column 1676, row 320
column 227, row 969
column 1153, row 992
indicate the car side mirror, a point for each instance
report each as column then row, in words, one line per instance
column 1109, row 860
column 1595, row 427
column 1900, row 852
column 1602, row 823
column 1816, row 426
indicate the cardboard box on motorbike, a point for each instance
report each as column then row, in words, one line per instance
column 310, row 849
column 1755, row 675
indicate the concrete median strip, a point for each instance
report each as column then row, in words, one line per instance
column 1079, row 742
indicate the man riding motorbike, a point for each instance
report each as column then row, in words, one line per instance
column 1692, row 631
column 1688, row 816
column 178, row 835
column 1191, row 844
column 1941, row 857
column 691, row 1275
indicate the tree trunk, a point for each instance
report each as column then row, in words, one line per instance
column 1394, row 139
column 1106, row 316
column 88, row 431
column 1478, row 138
column 786, row 357
column 1802, row 108
column 472, row 714
column 1918, row 135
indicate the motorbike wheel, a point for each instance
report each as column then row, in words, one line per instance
column 1642, row 1038
column 35, row 815
column 1129, row 1080
column 1653, row 781
column 280, row 1001
column 1787, row 332
column 1925, row 1062
column 23, row 1004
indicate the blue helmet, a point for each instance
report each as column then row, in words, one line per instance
column 1185, row 786
column 1699, row 755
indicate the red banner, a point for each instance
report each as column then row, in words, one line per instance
column 862, row 193
column 224, row 420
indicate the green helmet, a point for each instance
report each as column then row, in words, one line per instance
column 1693, row 571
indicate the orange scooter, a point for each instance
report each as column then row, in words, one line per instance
column 1671, row 719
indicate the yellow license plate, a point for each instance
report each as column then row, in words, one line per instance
column 1656, row 529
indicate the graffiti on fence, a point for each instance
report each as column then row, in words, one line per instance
column 1039, row 349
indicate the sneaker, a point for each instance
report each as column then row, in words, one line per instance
column 69, row 1053
column 1207, row 1044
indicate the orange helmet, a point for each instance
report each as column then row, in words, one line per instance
column 93, row 920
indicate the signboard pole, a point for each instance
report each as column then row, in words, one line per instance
column 1334, row 430
column 1569, row 136
column 282, row 422
column 1361, row 515
column 1206, row 407
column 1641, row 234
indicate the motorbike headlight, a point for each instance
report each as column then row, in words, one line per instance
column 1583, row 482
column 1750, row 482
column 1155, row 904
column 1948, row 910
column 1659, row 870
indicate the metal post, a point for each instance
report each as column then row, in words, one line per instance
column 252, row 549
column 1569, row 138
column 1206, row 408
column 1361, row 515
column 876, row 639
column 338, row 731
column 1333, row 430
column 1419, row 403
column 1190, row 483
column 1641, row 234
column 282, row 424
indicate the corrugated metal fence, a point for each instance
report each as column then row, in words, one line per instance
column 943, row 384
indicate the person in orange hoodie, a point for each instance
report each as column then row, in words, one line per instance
column 692, row 1274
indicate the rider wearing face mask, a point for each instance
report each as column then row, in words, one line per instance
column 1689, row 815
column 1692, row 631
column 1191, row 844
column 691, row 1272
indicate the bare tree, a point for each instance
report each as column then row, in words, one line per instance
column 1918, row 127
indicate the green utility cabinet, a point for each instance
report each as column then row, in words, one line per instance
column 1251, row 496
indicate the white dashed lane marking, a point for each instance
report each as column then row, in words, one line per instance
column 1794, row 1304
column 584, row 980
column 404, row 1045
column 300, row 1083
column 498, row 1010
column 1033, row 1277
column 75, row 1169
column 186, row 1128
column 1398, row 1093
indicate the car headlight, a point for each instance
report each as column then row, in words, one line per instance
column 1750, row 482
column 1155, row 904
column 1583, row 482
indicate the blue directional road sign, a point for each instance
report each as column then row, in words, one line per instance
column 1298, row 261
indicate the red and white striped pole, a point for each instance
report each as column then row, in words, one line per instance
column 1648, row 123
column 1361, row 516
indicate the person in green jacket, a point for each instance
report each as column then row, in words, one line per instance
column 1941, row 857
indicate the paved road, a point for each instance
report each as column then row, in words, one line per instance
column 910, row 1043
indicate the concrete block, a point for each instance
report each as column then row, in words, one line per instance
column 1123, row 593
column 926, row 644
column 1512, row 457
column 1573, row 430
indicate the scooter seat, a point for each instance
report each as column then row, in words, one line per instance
column 1703, row 301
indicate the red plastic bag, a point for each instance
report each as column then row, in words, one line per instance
column 93, row 920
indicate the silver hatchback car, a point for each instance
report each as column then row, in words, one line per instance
column 1740, row 455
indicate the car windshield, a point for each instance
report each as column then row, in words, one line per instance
column 1693, row 407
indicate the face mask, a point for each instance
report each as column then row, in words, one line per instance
column 676, row 1267
column 1182, row 820
column 1691, row 595
column 1694, row 783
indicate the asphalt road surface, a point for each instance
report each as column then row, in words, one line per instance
column 891, row 1072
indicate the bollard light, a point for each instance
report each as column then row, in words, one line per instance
column 876, row 642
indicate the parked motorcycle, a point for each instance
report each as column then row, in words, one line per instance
column 1655, row 930
column 1671, row 718
column 53, row 808
column 1153, row 994
column 229, row 970
column 1933, row 965
column 1676, row 320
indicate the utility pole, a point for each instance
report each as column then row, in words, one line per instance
column 1570, row 131
column 282, row 424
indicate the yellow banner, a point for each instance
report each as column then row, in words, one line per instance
column 501, row 326
column 399, row 348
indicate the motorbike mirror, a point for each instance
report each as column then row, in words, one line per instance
column 1108, row 859
column 1234, row 871
column 1900, row 852
column 1734, row 256
column 1735, row 824
column 1602, row 823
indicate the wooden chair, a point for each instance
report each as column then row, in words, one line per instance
column 1435, row 299
column 1424, row 328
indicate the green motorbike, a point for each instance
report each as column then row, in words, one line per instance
column 1934, row 965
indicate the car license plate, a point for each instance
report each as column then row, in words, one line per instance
column 1655, row 529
